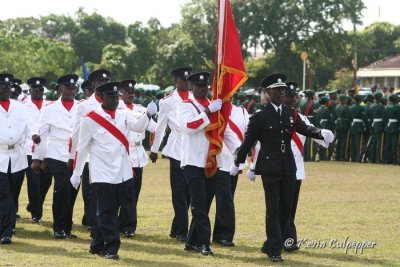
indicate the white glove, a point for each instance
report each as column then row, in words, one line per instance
column 327, row 135
column 151, row 108
column 215, row 105
column 234, row 170
column 250, row 175
column 75, row 181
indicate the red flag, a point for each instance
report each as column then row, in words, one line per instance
column 229, row 75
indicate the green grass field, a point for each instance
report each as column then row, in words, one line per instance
column 338, row 200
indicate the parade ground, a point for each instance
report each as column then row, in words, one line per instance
column 348, row 215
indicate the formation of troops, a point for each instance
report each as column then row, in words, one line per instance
column 98, row 144
column 366, row 127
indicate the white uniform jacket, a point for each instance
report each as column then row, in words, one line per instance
column 167, row 115
column 109, row 160
column 15, row 128
column 233, row 137
column 34, row 116
column 136, row 150
column 55, row 129
column 195, row 144
column 84, row 107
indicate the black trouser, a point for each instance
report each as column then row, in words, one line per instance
column 202, row 191
column 89, row 212
column 180, row 198
column 278, row 191
column 38, row 185
column 64, row 196
column 224, row 225
column 18, row 181
column 127, row 202
column 137, row 187
column 108, row 201
column 7, row 203
column 290, row 228
column 234, row 180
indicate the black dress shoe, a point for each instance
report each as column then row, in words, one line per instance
column 36, row 220
column 111, row 257
column 225, row 243
column 128, row 234
column 276, row 259
column 60, row 235
column 181, row 238
column 189, row 247
column 292, row 248
column 17, row 216
column 206, row 250
column 265, row 250
column 13, row 231
column 5, row 240
column 173, row 235
column 96, row 252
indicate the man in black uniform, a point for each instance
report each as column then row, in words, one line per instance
column 274, row 126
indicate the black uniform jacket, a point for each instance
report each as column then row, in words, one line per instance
column 274, row 133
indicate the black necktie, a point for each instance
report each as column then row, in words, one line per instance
column 279, row 112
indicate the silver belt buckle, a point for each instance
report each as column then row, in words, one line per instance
column 9, row 147
column 137, row 143
column 283, row 148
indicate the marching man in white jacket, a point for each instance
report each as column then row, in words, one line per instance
column 168, row 117
column 15, row 128
column 194, row 117
column 55, row 128
column 128, row 214
column 103, row 136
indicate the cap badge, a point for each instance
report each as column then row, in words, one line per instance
column 291, row 87
column 186, row 73
column 38, row 82
column 6, row 79
column 201, row 77
column 279, row 80
column 130, row 85
column 115, row 89
column 12, row 89
column 104, row 75
column 71, row 81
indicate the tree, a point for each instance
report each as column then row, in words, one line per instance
column 30, row 56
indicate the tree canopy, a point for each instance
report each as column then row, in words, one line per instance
column 52, row 45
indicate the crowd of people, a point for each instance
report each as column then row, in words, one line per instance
column 97, row 143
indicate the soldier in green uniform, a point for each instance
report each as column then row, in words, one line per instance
column 323, row 119
column 378, row 124
column 308, row 108
column 136, row 99
column 392, row 130
column 342, row 128
column 350, row 93
column 358, row 120
column 367, row 135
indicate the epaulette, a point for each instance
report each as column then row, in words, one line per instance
column 140, row 105
column 187, row 101
column 50, row 102
column 80, row 101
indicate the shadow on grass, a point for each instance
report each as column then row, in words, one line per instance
column 344, row 258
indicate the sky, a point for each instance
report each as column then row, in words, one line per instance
column 167, row 11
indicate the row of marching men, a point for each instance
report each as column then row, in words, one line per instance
column 94, row 137
column 98, row 142
column 40, row 138
column 367, row 130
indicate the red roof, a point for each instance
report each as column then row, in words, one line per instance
column 392, row 62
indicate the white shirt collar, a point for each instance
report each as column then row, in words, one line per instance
column 276, row 107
